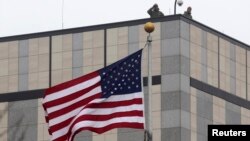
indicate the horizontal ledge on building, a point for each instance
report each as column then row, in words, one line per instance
column 35, row 94
column 156, row 80
column 22, row 95
column 219, row 93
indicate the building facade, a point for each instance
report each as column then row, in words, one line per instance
column 200, row 77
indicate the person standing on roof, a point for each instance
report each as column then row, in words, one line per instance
column 155, row 12
column 188, row 13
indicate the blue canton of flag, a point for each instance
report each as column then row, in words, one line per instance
column 122, row 77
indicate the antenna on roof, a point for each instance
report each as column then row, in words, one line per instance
column 62, row 12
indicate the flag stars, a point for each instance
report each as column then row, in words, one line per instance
column 122, row 77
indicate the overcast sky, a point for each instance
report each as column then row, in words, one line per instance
column 30, row 16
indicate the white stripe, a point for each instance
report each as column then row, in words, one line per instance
column 113, row 98
column 105, row 111
column 64, row 117
column 100, row 124
column 70, row 90
column 99, row 111
column 84, row 96
column 121, row 97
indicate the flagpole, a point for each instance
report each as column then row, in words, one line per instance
column 149, row 28
column 149, row 40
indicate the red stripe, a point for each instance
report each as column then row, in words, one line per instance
column 61, row 125
column 74, row 106
column 70, row 97
column 108, row 117
column 96, row 105
column 105, row 117
column 62, row 138
column 93, row 105
column 103, row 129
column 45, row 112
column 46, row 119
column 109, row 127
column 97, row 118
column 70, row 83
column 116, row 103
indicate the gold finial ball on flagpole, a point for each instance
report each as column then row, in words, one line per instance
column 149, row 27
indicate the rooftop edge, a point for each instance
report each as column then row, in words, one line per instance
column 121, row 24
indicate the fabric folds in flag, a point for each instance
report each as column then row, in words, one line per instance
column 105, row 99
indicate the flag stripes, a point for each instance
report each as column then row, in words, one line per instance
column 100, row 101
column 74, row 97
column 129, row 104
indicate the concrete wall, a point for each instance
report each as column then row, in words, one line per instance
column 181, row 50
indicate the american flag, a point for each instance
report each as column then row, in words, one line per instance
column 109, row 98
